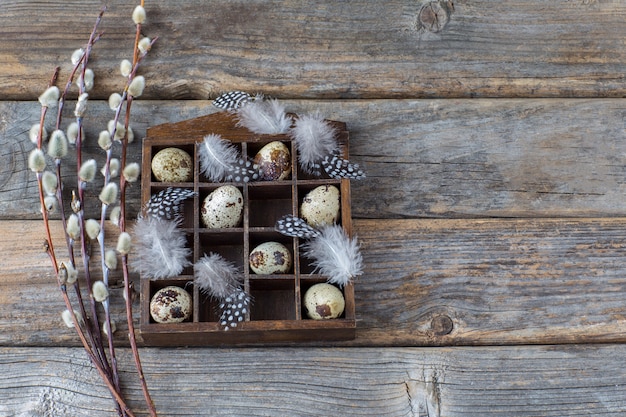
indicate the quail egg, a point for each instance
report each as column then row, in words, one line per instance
column 223, row 208
column 274, row 160
column 172, row 165
column 171, row 305
column 324, row 301
column 270, row 258
column 321, row 206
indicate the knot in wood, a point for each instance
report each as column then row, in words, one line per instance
column 434, row 15
column 441, row 325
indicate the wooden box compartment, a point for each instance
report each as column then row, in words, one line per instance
column 276, row 312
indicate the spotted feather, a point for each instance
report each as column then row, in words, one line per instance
column 337, row 167
column 243, row 170
column 295, row 227
column 167, row 204
column 234, row 309
column 232, row 100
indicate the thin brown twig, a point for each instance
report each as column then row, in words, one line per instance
column 49, row 242
column 93, row 326
column 70, row 80
column 129, row 316
column 133, row 341
column 50, row 250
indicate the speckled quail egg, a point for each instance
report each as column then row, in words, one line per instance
column 321, row 206
column 274, row 160
column 223, row 208
column 171, row 305
column 324, row 301
column 270, row 258
column 172, row 165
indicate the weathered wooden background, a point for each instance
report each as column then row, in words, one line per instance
column 492, row 219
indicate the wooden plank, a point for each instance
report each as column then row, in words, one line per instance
column 512, row 381
column 423, row 158
column 426, row 282
column 356, row 49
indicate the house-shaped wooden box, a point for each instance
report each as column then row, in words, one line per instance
column 276, row 313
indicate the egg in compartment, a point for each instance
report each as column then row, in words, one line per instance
column 171, row 304
column 223, row 208
column 274, row 161
column 172, row 165
column 270, row 258
column 321, row 206
column 324, row 301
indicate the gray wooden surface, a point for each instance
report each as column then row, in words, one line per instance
column 492, row 219
column 492, row 381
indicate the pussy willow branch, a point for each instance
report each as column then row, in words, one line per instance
column 93, row 330
column 105, row 271
column 77, row 325
column 93, row 347
column 127, row 287
column 93, row 38
column 105, row 304
column 137, row 58
column 91, row 321
column 68, row 240
column 44, row 212
column 50, row 245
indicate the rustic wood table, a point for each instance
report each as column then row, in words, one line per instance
column 492, row 219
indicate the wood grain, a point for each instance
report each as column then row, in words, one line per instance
column 426, row 283
column 512, row 381
column 317, row 49
column 491, row 220
column 423, row 158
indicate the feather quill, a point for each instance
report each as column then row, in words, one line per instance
column 215, row 276
column 264, row 116
column 315, row 139
column 220, row 160
column 161, row 248
column 335, row 255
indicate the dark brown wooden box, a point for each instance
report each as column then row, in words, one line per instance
column 276, row 313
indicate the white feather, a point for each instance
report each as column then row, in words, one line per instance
column 315, row 139
column 217, row 157
column 216, row 276
column 264, row 116
column 335, row 255
column 161, row 248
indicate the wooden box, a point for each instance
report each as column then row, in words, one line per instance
column 276, row 312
